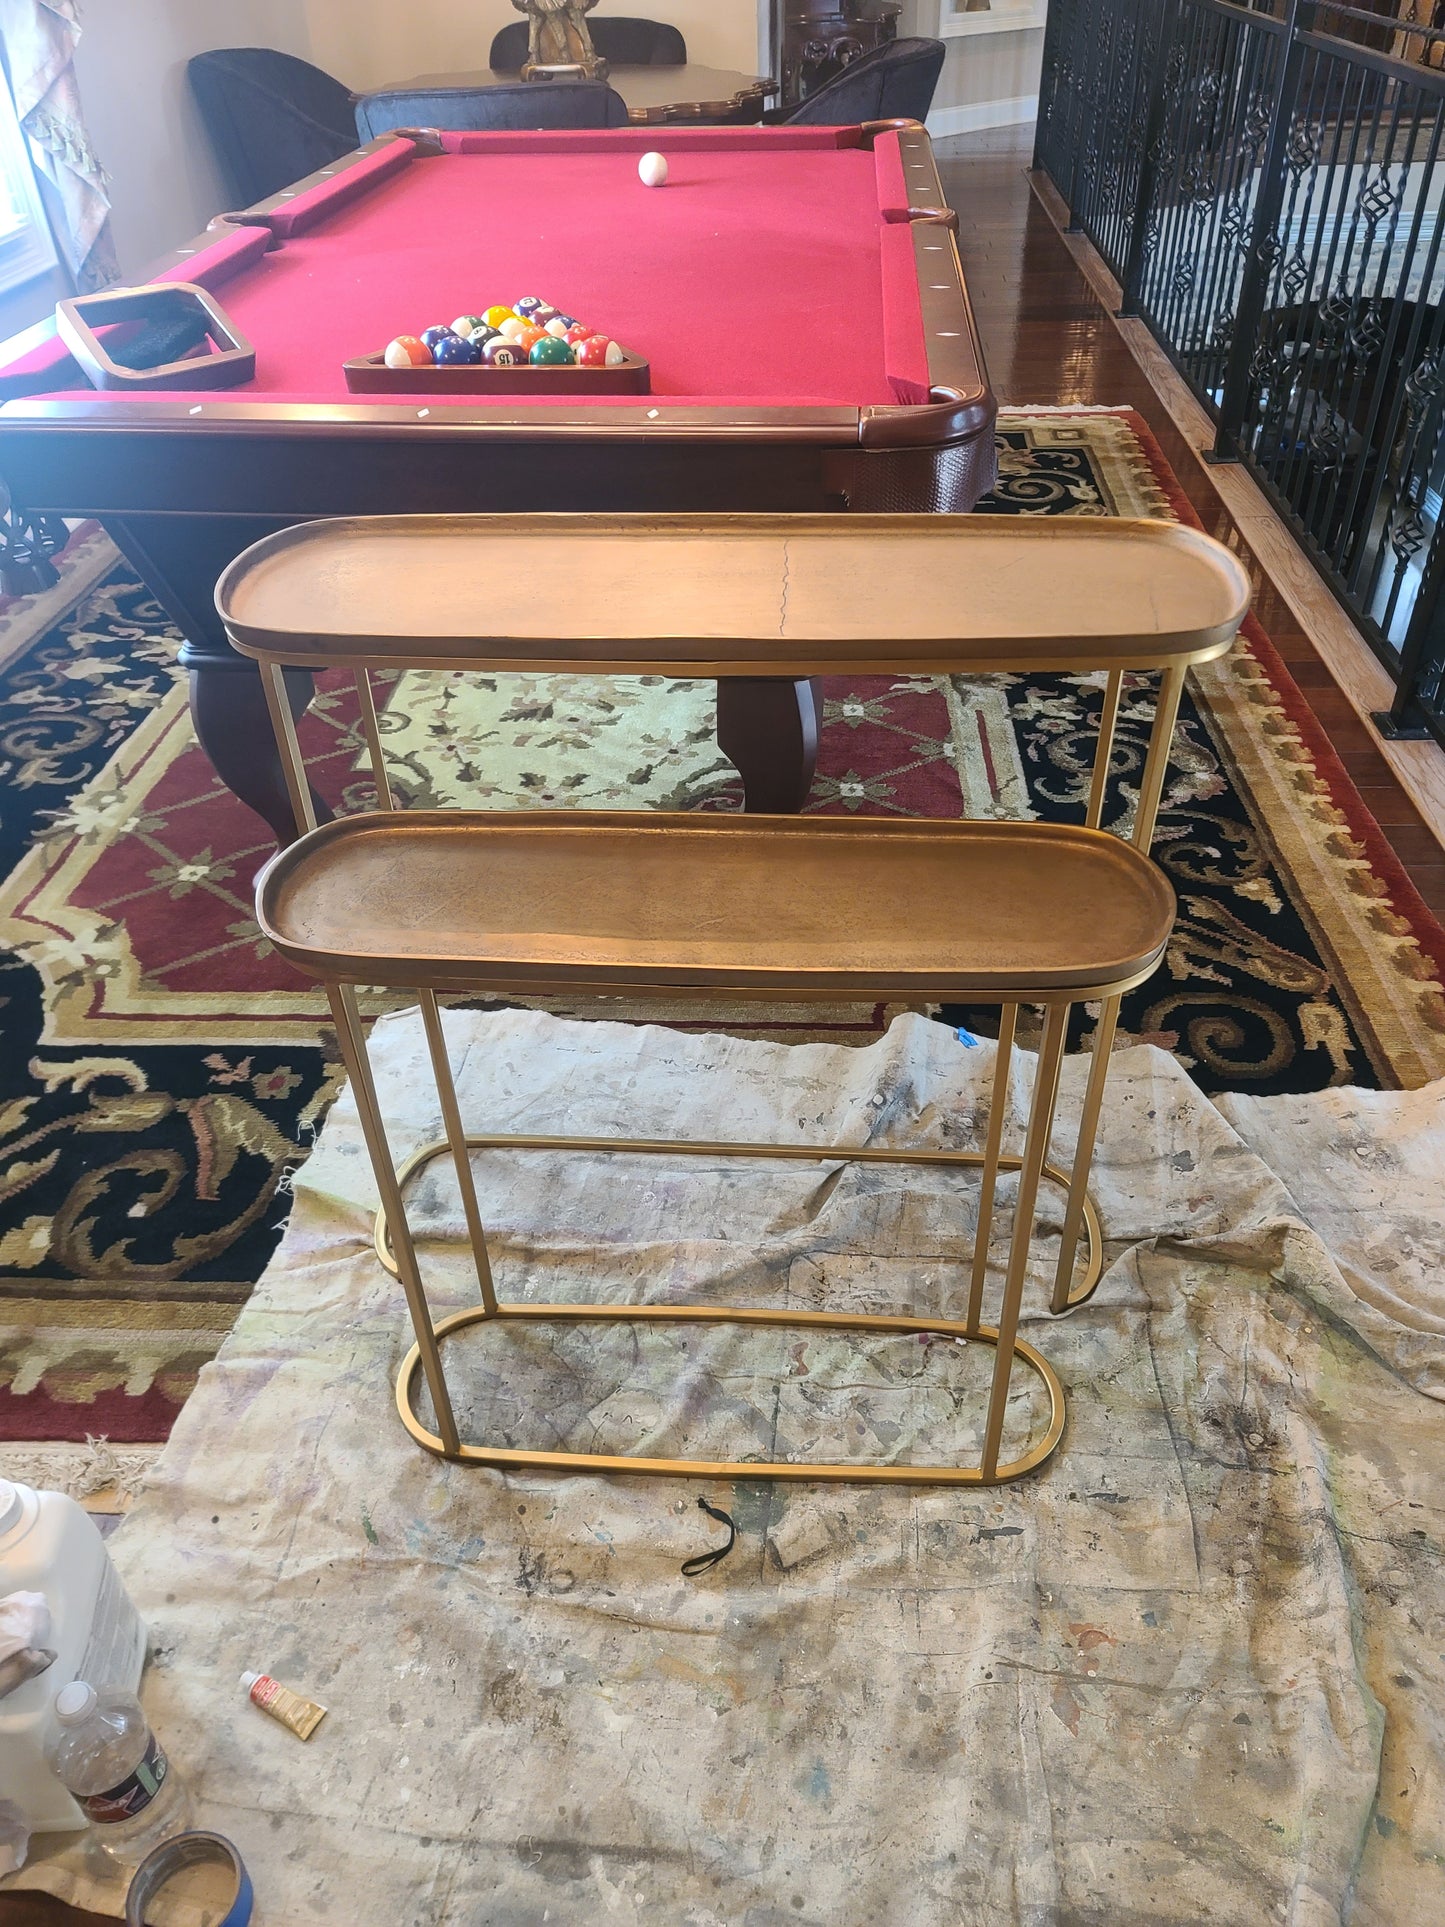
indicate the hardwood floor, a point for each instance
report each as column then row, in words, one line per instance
column 1049, row 339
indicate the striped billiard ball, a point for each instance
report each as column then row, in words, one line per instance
column 407, row 351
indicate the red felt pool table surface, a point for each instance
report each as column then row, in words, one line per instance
column 779, row 269
column 756, row 274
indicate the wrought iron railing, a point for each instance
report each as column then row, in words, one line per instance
column 1266, row 180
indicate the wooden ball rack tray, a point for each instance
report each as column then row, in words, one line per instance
column 369, row 375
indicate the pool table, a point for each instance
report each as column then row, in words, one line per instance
column 797, row 291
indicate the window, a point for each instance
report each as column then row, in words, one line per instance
column 26, row 249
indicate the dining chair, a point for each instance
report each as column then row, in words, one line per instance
column 897, row 82
column 271, row 118
column 526, row 105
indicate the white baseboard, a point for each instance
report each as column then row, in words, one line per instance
column 976, row 115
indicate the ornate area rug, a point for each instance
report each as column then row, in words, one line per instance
column 160, row 1071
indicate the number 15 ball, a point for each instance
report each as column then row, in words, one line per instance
column 652, row 170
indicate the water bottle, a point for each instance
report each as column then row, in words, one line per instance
column 110, row 1760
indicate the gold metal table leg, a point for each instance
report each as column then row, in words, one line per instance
column 1080, row 1212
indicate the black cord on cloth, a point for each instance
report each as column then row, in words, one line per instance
column 694, row 1568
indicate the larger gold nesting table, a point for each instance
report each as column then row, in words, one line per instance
column 687, row 905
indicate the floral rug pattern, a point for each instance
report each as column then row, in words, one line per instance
column 160, row 1071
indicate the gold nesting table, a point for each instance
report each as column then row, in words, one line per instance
column 679, row 906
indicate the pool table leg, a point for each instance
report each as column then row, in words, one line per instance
column 180, row 558
column 768, row 726
column 233, row 727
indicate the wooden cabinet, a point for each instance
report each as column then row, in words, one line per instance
column 820, row 37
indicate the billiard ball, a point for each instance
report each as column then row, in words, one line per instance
column 407, row 352
column 528, row 305
column 616, row 354
column 539, row 317
column 494, row 317
column 592, row 353
column 512, row 326
column 578, row 332
column 501, row 353
column 453, row 351
column 467, row 325
column 529, row 337
column 551, row 352
column 558, row 326
column 434, row 337
column 652, row 170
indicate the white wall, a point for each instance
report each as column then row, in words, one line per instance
column 989, row 79
column 132, row 70
column 367, row 43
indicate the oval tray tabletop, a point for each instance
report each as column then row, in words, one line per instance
column 818, row 906
column 737, row 594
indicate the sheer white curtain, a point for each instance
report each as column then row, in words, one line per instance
column 39, row 39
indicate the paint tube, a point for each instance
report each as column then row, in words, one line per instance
column 300, row 1716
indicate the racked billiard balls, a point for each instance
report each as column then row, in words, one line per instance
column 494, row 317
column 501, row 353
column 594, row 352
column 433, row 337
column 539, row 317
column 528, row 305
column 512, row 326
column 407, row 351
column 529, row 337
column 467, row 325
column 579, row 331
column 551, row 352
column 452, row 351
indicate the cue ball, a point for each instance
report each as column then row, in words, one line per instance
column 652, row 170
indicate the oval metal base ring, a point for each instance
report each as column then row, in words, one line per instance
column 858, row 1154
column 510, row 1459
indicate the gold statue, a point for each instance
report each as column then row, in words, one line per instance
column 559, row 37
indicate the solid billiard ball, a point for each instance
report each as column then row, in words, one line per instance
column 501, row 353
column 433, row 337
column 453, row 351
column 407, row 351
column 529, row 337
column 551, row 352
column 494, row 317
column 467, row 325
column 652, row 170
column 528, row 305
column 578, row 332
column 539, row 317
column 592, row 353
column 512, row 326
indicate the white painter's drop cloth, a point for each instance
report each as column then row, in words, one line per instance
column 1192, row 1672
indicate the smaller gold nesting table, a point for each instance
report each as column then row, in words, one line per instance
column 684, row 906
